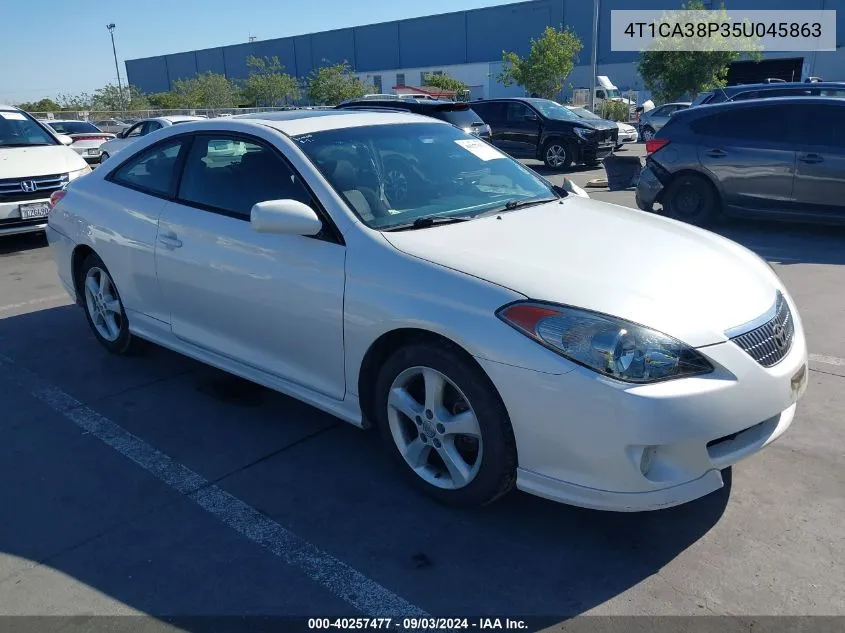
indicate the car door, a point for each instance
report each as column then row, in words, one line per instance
column 493, row 114
column 820, row 160
column 749, row 152
column 522, row 130
column 271, row 302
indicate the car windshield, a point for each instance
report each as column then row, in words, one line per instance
column 584, row 113
column 19, row 130
column 553, row 110
column 73, row 127
column 612, row 93
column 461, row 116
column 393, row 175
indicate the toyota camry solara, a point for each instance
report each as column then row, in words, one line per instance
column 399, row 273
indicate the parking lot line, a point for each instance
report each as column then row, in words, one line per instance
column 363, row 593
column 827, row 360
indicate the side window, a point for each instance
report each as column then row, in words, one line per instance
column 152, row 126
column 815, row 127
column 761, row 124
column 600, row 94
column 231, row 175
column 661, row 111
column 135, row 131
column 518, row 112
column 151, row 171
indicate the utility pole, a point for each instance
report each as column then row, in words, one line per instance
column 110, row 27
column 594, row 56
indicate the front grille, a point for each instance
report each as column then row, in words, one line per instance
column 770, row 342
column 15, row 189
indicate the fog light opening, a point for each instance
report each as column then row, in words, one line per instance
column 647, row 459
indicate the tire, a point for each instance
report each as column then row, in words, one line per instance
column 557, row 154
column 692, row 199
column 482, row 462
column 648, row 133
column 104, row 308
column 398, row 182
column 104, row 157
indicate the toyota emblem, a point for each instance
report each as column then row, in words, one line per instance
column 29, row 186
column 780, row 337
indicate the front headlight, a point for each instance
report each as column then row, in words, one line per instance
column 611, row 346
column 79, row 172
column 584, row 132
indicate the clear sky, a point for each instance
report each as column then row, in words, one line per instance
column 50, row 47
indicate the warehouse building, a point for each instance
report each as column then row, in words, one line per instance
column 468, row 45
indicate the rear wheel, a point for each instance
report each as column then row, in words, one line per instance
column 445, row 425
column 104, row 308
column 557, row 155
column 692, row 199
column 648, row 133
column 104, row 157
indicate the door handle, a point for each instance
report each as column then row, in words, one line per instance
column 810, row 158
column 716, row 153
column 169, row 240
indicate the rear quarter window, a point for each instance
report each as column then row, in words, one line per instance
column 460, row 118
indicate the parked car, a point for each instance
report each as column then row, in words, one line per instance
column 627, row 133
column 87, row 137
column 780, row 158
column 34, row 162
column 769, row 90
column 113, row 126
column 547, row 131
column 651, row 121
column 139, row 129
column 456, row 113
column 485, row 327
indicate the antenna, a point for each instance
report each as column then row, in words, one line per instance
column 252, row 38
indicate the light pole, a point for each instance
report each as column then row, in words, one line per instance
column 594, row 56
column 110, row 27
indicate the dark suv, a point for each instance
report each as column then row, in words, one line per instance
column 457, row 113
column 780, row 158
column 546, row 130
column 770, row 90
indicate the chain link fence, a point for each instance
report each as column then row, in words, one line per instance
column 130, row 116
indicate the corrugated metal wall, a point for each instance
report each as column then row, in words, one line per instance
column 448, row 39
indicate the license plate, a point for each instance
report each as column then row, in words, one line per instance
column 35, row 210
column 93, row 152
column 798, row 383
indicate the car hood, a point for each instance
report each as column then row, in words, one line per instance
column 675, row 278
column 42, row 160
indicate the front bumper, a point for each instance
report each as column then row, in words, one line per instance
column 11, row 222
column 581, row 437
column 631, row 137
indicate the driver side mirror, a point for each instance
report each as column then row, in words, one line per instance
column 532, row 117
column 285, row 217
column 64, row 139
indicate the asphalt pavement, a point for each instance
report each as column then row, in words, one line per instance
column 157, row 485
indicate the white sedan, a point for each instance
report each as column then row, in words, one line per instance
column 140, row 129
column 497, row 331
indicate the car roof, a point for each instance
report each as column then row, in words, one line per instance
column 750, row 103
column 7, row 107
column 425, row 103
column 65, row 121
column 801, row 85
column 176, row 118
column 296, row 122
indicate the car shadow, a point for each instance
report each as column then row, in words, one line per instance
column 787, row 243
column 12, row 244
column 88, row 512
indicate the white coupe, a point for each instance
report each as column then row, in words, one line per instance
column 498, row 331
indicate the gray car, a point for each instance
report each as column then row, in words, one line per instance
column 653, row 120
column 780, row 158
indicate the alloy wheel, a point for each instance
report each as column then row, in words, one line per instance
column 102, row 304
column 556, row 155
column 435, row 428
column 395, row 186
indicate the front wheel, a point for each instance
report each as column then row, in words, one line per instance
column 557, row 155
column 648, row 133
column 445, row 425
column 104, row 157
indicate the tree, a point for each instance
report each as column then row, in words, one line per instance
column 447, row 82
column 267, row 83
column 207, row 90
column 165, row 101
column 42, row 105
column 81, row 101
column 551, row 59
column 109, row 98
column 673, row 68
column 331, row 85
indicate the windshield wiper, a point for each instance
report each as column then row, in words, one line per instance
column 429, row 221
column 510, row 205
